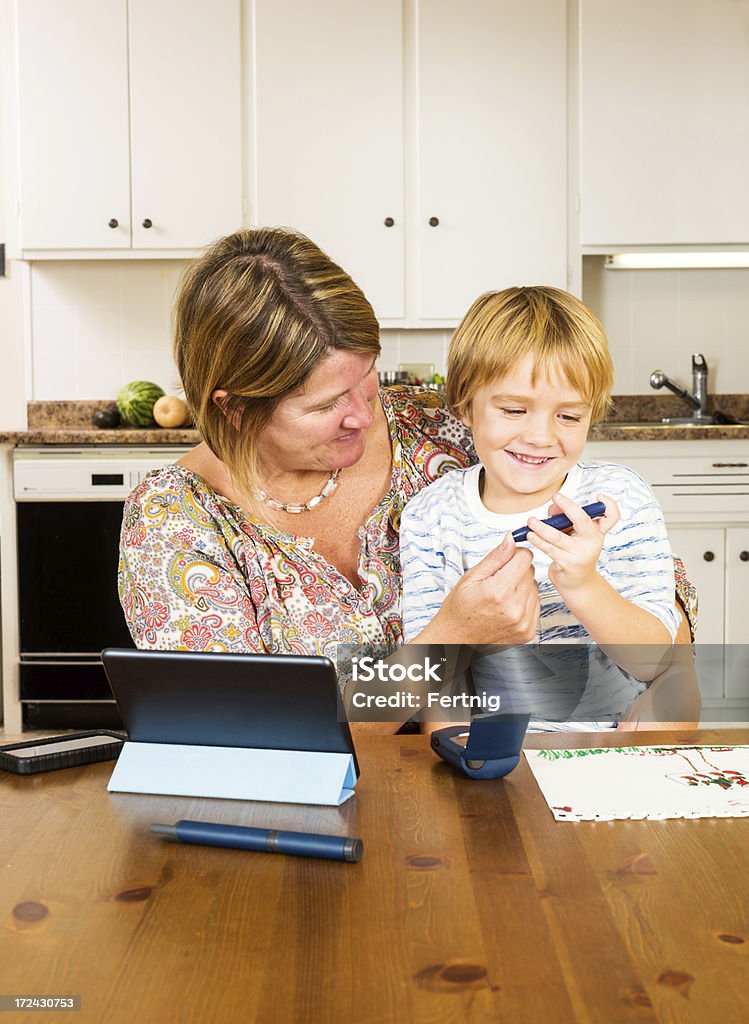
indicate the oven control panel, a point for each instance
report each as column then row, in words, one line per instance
column 85, row 474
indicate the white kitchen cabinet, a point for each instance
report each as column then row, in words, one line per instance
column 664, row 120
column 73, row 124
column 129, row 124
column 327, row 154
column 714, row 563
column 702, row 550
column 491, row 150
column 737, row 599
column 423, row 145
column 703, row 488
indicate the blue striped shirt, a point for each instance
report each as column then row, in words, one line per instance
column 446, row 529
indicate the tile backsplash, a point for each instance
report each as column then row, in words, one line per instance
column 414, row 346
column 656, row 319
column 97, row 324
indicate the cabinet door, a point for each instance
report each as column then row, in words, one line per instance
column 665, row 122
column 492, row 159
column 737, row 622
column 328, row 149
column 703, row 552
column 185, row 121
column 73, row 124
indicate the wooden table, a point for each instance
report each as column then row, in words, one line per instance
column 471, row 904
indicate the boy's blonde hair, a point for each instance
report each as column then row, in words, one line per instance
column 501, row 328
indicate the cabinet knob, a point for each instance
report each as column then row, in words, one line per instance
column 389, row 222
column 744, row 556
column 709, row 556
column 147, row 223
column 434, row 221
column 114, row 223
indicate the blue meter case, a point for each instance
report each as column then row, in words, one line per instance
column 490, row 749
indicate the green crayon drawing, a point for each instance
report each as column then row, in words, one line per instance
column 724, row 778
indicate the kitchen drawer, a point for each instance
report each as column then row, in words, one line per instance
column 729, row 501
column 724, row 470
column 68, row 715
column 68, row 681
column 698, row 480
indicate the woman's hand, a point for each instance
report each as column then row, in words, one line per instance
column 495, row 602
column 573, row 554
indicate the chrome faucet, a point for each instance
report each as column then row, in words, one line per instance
column 696, row 400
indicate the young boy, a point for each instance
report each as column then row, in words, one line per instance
column 528, row 369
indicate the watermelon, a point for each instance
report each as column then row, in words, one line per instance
column 136, row 402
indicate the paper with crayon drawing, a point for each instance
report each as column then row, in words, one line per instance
column 644, row 782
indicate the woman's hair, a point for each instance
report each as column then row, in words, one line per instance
column 254, row 316
column 501, row 328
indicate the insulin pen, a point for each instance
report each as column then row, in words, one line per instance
column 560, row 522
column 265, row 840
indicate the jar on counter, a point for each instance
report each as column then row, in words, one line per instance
column 390, row 377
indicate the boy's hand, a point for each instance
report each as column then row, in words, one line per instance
column 574, row 553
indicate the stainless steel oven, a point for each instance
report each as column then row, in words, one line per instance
column 69, row 508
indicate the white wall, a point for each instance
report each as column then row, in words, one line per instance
column 656, row 319
column 12, row 294
column 12, row 350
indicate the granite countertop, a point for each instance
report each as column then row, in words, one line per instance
column 632, row 418
column 612, row 431
column 663, row 432
column 637, row 418
column 69, row 423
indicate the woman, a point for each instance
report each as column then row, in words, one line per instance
column 280, row 531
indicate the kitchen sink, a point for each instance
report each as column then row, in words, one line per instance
column 655, row 423
column 670, row 423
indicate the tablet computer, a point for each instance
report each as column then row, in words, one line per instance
column 263, row 701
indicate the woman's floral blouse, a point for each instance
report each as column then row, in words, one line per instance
column 686, row 593
column 197, row 573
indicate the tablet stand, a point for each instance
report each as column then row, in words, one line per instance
column 234, row 773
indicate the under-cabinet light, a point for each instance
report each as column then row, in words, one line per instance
column 675, row 260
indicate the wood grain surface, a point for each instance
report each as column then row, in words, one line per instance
column 470, row 904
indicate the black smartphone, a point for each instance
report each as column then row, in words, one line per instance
column 60, row 752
